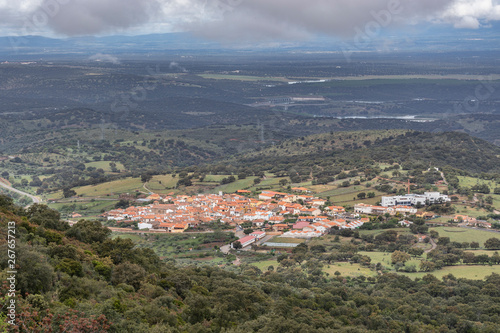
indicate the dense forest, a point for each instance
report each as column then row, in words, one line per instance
column 78, row 279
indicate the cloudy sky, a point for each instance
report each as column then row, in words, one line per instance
column 240, row 19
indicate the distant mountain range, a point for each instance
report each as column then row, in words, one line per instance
column 424, row 39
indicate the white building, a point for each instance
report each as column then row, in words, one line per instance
column 414, row 199
column 258, row 234
column 144, row 225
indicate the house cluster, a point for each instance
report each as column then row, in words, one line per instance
column 467, row 221
column 270, row 211
column 428, row 198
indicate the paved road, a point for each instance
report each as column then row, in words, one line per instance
column 434, row 245
column 10, row 188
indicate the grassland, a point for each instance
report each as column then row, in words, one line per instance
column 104, row 165
column 111, row 189
column 286, row 240
column 186, row 248
column 471, row 181
column 466, row 235
column 474, row 272
column 242, row 77
column 239, row 184
column 347, row 269
column 263, row 265
column 162, row 183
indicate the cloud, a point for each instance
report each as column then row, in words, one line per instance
column 471, row 14
column 175, row 65
column 297, row 19
column 238, row 20
column 88, row 17
column 100, row 57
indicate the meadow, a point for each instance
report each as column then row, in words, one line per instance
column 466, row 235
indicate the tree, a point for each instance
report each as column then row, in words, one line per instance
column 443, row 241
column 492, row 244
column 371, row 194
column 474, row 245
column 146, row 178
column 496, row 190
column 427, row 266
column 468, row 258
column 123, row 203
column 237, row 245
column 68, row 193
column 283, row 182
column 416, row 251
column 128, row 273
column 398, row 256
column 248, row 231
column 361, row 195
column 46, row 217
column 89, row 232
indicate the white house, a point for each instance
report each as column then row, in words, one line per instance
column 144, row 225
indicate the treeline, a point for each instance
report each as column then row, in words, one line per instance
column 344, row 155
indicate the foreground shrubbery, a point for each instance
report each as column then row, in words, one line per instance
column 104, row 285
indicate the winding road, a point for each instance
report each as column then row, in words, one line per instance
column 4, row 183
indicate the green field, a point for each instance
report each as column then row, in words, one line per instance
column 127, row 185
column 162, row 183
column 285, row 240
column 263, row 265
column 379, row 231
column 192, row 248
column 473, row 212
column 242, row 77
column 239, row 184
column 347, row 269
column 474, row 272
column 104, row 165
column 87, row 209
column 465, row 235
column 471, row 181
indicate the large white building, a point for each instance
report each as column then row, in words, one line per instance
column 415, row 199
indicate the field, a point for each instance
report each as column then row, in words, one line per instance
column 285, row 240
column 162, row 182
column 239, row 184
column 111, row 189
column 263, row 265
column 379, row 231
column 471, row 181
column 474, row 272
column 88, row 209
column 466, row 235
column 104, row 165
column 186, row 247
column 242, row 77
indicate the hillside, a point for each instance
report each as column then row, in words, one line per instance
column 78, row 279
column 355, row 149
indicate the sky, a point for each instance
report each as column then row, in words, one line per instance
column 241, row 20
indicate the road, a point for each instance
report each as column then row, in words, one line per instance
column 434, row 245
column 3, row 183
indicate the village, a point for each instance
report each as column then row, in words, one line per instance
column 297, row 215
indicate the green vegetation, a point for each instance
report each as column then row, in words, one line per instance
column 465, row 235
column 79, row 277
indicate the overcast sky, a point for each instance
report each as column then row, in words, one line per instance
column 240, row 20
